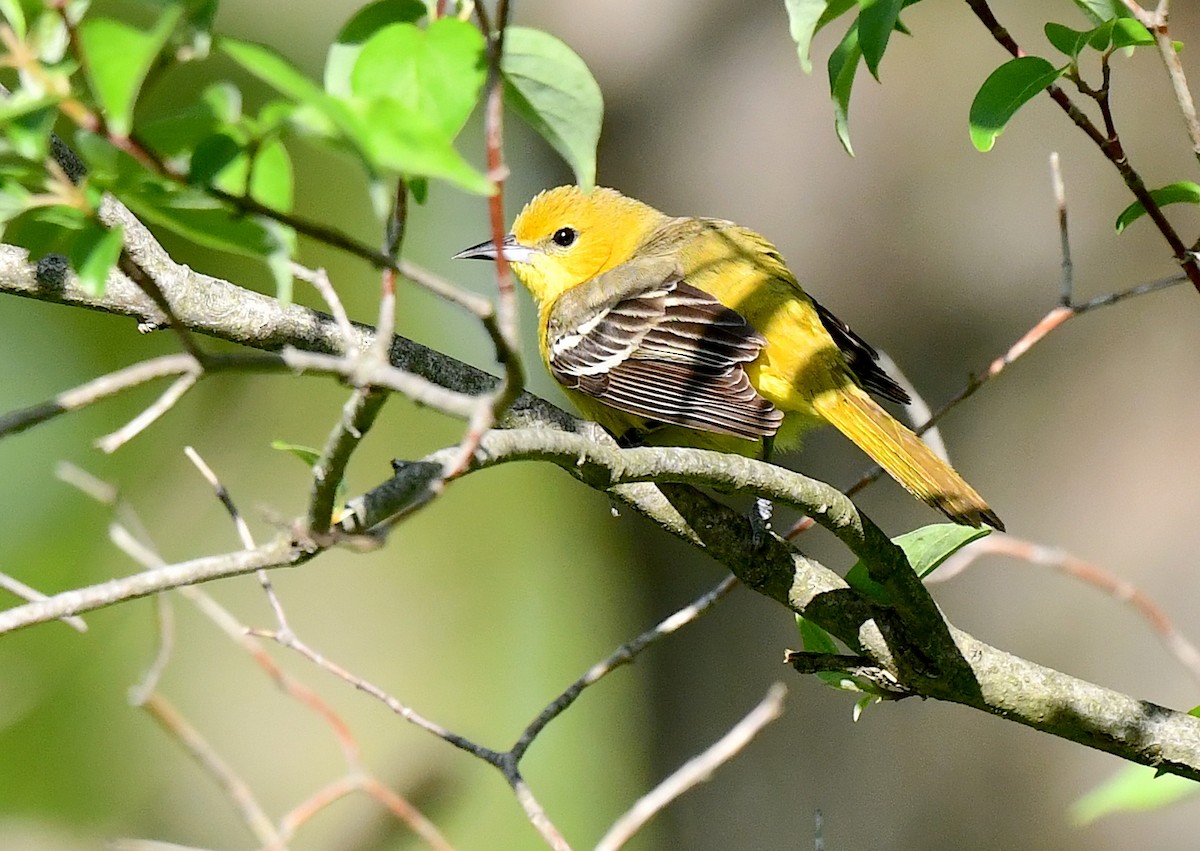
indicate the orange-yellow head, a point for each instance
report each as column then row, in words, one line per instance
column 565, row 236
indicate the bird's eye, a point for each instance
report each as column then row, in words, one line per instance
column 565, row 237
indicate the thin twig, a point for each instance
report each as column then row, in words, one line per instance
column 623, row 655
column 110, row 443
column 502, row 325
column 536, row 814
column 319, row 279
column 236, row 789
column 1156, row 22
column 1119, row 589
column 1060, row 200
column 18, row 588
column 1110, row 146
column 405, row 812
column 293, row 642
column 165, row 620
column 239, row 523
column 1053, row 320
column 695, row 771
column 418, row 389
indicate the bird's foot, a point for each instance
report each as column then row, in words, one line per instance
column 760, row 522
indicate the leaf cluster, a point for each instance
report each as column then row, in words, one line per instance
column 398, row 87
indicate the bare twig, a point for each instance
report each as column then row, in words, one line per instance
column 623, row 655
column 1119, row 589
column 1054, row 319
column 537, row 815
column 236, row 789
column 1060, row 200
column 502, row 325
column 416, row 388
column 1156, row 22
column 1109, row 145
column 18, row 588
column 165, row 617
column 319, row 279
column 239, row 523
column 695, row 771
column 112, row 442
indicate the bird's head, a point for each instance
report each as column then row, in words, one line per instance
column 566, row 236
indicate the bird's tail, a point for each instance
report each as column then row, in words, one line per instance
column 904, row 455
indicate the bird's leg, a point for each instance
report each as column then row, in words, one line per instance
column 760, row 514
column 631, row 438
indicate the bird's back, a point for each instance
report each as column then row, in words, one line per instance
column 747, row 274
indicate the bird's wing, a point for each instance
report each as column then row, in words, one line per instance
column 862, row 359
column 642, row 340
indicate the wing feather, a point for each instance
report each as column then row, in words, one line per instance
column 861, row 357
column 663, row 350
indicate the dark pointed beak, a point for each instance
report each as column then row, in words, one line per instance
column 485, row 250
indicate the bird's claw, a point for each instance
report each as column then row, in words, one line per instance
column 760, row 521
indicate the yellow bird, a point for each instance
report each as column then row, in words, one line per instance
column 692, row 331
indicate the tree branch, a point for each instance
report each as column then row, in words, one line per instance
column 971, row 672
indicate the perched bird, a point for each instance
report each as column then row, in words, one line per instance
column 692, row 331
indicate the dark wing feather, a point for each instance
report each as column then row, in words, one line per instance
column 661, row 349
column 862, row 359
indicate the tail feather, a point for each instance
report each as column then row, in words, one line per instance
column 905, row 456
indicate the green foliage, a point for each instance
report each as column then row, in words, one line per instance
column 1006, row 90
column 1181, row 192
column 865, row 41
column 310, row 457
column 370, row 19
column 926, row 548
column 398, row 88
column 117, row 57
column 552, row 90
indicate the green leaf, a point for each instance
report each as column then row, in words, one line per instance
column 212, row 156
column 876, row 21
column 1066, row 40
column 926, row 548
column 272, row 69
column 271, row 178
column 15, row 15
column 48, row 37
column 180, row 132
column 310, row 457
column 1128, row 32
column 196, row 216
column 27, row 123
column 1183, row 192
column 816, row 639
column 401, row 140
column 843, row 64
column 1099, row 11
column 551, row 89
column 385, row 133
column 46, row 230
column 437, row 71
column 93, row 255
column 1133, row 788
column 118, row 56
column 804, row 19
column 307, row 454
column 1006, row 90
column 343, row 53
column 15, row 199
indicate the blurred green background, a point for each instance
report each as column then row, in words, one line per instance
column 486, row 605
